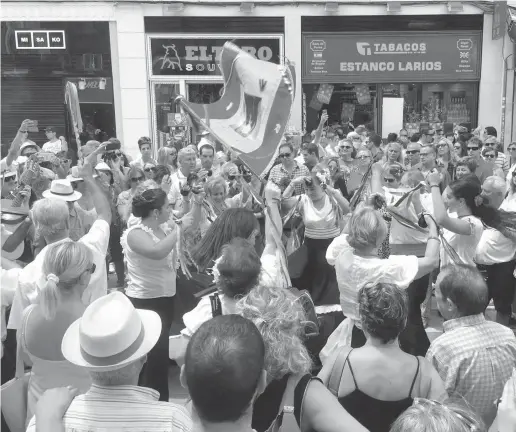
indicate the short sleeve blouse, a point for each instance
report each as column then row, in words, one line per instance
column 464, row 245
column 353, row 272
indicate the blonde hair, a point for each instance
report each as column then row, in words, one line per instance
column 366, row 228
column 51, row 216
column 163, row 154
column 431, row 416
column 281, row 319
column 213, row 183
column 227, row 168
column 186, row 151
column 399, row 148
column 63, row 265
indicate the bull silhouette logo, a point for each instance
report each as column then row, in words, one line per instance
column 171, row 59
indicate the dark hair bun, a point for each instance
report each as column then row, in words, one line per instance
column 148, row 200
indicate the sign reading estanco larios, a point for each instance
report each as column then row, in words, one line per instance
column 385, row 57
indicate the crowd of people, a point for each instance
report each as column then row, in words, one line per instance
column 301, row 296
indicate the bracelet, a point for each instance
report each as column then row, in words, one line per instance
column 19, row 130
column 434, row 238
column 434, row 186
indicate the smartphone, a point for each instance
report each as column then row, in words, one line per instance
column 112, row 146
column 33, row 127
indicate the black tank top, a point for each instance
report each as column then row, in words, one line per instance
column 374, row 414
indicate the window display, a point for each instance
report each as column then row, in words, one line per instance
column 345, row 103
column 439, row 105
column 170, row 123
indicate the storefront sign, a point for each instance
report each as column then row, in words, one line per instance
column 180, row 56
column 40, row 39
column 386, row 57
column 94, row 90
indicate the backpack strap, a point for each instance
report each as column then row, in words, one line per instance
column 337, row 370
column 288, row 421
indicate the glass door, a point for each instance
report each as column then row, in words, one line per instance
column 203, row 93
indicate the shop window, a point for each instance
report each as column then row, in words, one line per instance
column 438, row 105
column 346, row 103
column 169, row 122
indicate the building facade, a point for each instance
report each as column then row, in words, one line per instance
column 385, row 64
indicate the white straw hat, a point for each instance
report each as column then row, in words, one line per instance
column 111, row 334
column 62, row 189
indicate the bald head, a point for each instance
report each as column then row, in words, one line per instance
column 493, row 191
column 465, row 287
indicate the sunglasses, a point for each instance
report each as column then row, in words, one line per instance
column 473, row 148
column 441, row 145
column 512, row 148
column 285, row 155
column 410, row 152
column 92, row 269
column 137, row 179
column 150, row 169
column 9, row 179
column 346, row 147
column 232, row 177
column 389, row 180
column 490, row 156
column 356, row 138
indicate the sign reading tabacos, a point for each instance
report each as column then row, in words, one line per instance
column 191, row 56
column 382, row 58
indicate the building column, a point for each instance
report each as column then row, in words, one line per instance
column 133, row 89
column 490, row 91
column 293, row 51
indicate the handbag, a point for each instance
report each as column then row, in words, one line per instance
column 14, row 396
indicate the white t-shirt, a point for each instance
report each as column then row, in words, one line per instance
column 53, row 147
column 31, row 277
column 9, row 285
column 464, row 245
column 353, row 272
column 399, row 233
column 494, row 247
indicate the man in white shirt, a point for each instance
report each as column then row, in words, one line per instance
column 495, row 253
column 54, row 144
column 187, row 161
column 145, row 146
column 207, row 156
column 51, row 218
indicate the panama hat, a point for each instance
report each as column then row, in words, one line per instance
column 102, row 166
column 62, row 189
column 111, row 334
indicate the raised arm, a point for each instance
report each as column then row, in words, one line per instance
column 456, row 225
column 100, row 201
column 19, row 139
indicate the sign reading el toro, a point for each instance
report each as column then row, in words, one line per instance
column 384, row 57
column 40, row 39
column 180, row 56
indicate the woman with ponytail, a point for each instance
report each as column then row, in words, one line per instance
column 67, row 269
column 464, row 231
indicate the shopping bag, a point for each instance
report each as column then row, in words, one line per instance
column 14, row 396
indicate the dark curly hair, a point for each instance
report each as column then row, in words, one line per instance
column 383, row 310
column 160, row 172
column 145, row 202
column 238, row 269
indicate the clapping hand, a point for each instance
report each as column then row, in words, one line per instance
column 166, row 183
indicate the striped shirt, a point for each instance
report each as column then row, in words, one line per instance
column 123, row 408
column 474, row 358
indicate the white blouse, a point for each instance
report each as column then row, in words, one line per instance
column 464, row 245
column 354, row 272
column 319, row 224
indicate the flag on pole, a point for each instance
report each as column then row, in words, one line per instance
column 251, row 116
